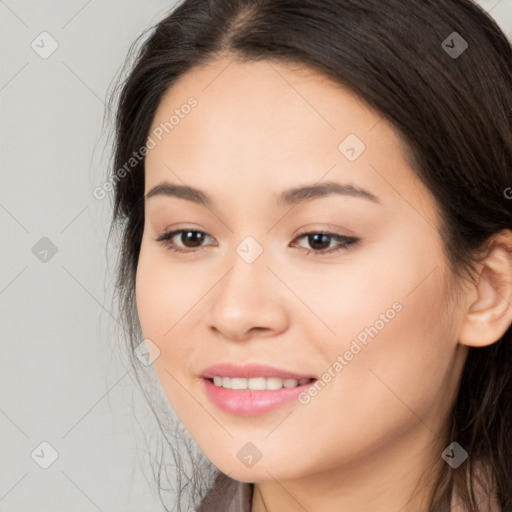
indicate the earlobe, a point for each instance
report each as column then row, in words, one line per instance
column 490, row 315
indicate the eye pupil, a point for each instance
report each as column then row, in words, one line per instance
column 318, row 241
column 192, row 236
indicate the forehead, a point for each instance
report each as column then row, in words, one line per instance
column 261, row 124
column 264, row 98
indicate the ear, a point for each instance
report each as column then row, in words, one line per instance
column 490, row 315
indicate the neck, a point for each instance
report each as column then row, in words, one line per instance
column 395, row 478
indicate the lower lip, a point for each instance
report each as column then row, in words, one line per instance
column 245, row 402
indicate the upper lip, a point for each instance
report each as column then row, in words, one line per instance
column 250, row 370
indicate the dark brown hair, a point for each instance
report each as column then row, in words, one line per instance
column 452, row 111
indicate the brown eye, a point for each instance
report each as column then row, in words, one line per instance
column 320, row 242
column 190, row 238
column 194, row 238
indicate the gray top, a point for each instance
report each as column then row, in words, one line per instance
column 227, row 495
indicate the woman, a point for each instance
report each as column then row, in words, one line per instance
column 316, row 248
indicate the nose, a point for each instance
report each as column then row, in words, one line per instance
column 249, row 301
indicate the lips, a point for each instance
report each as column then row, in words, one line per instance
column 251, row 371
column 241, row 401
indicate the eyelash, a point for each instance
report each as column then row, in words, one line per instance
column 344, row 241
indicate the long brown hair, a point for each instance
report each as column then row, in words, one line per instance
column 453, row 111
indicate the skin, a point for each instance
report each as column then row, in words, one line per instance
column 367, row 440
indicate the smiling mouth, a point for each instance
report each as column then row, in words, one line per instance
column 258, row 383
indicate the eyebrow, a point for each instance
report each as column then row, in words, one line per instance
column 288, row 197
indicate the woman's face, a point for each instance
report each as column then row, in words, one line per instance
column 364, row 310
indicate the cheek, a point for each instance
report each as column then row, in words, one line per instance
column 398, row 380
column 150, row 297
column 164, row 298
column 164, row 293
column 398, row 362
column 396, row 338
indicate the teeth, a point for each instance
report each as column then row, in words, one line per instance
column 257, row 383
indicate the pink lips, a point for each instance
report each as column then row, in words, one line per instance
column 246, row 402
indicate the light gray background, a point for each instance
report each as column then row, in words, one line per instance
column 63, row 377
